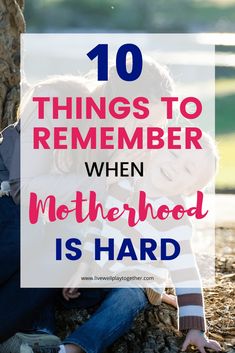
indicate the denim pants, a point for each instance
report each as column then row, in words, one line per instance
column 9, row 238
column 112, row 319
column 31, row 308
column 21, row 309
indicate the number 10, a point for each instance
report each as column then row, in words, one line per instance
column 101, row 51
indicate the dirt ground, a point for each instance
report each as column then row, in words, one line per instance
column 220, row 308
column 154, row 330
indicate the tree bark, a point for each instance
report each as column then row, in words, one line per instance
column 12, row 24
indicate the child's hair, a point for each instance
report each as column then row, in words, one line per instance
column 62, row 86
column 154, row 82
column 65, row 85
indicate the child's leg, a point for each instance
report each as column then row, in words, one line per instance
column 19, row 307
column 9, row 239
column 113, row 318
column 70, row 348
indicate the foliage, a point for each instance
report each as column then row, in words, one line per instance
column 153, row 16
column 131, row 15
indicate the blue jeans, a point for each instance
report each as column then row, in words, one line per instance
column 23, row 309
column 112, row 319
column 19, row 307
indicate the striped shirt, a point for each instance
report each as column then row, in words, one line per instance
column 183, row 270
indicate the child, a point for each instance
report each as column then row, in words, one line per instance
column 175, row 173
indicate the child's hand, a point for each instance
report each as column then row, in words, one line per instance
column 200, row 340
column 70, row 293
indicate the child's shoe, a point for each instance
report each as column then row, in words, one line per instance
column 31, row 343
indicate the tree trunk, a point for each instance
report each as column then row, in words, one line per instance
column 11, row 25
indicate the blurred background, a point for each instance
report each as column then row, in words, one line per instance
column 214, row 18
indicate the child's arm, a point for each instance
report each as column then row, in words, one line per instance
column 192, row 313
column 187, row 281
column 191, row 308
